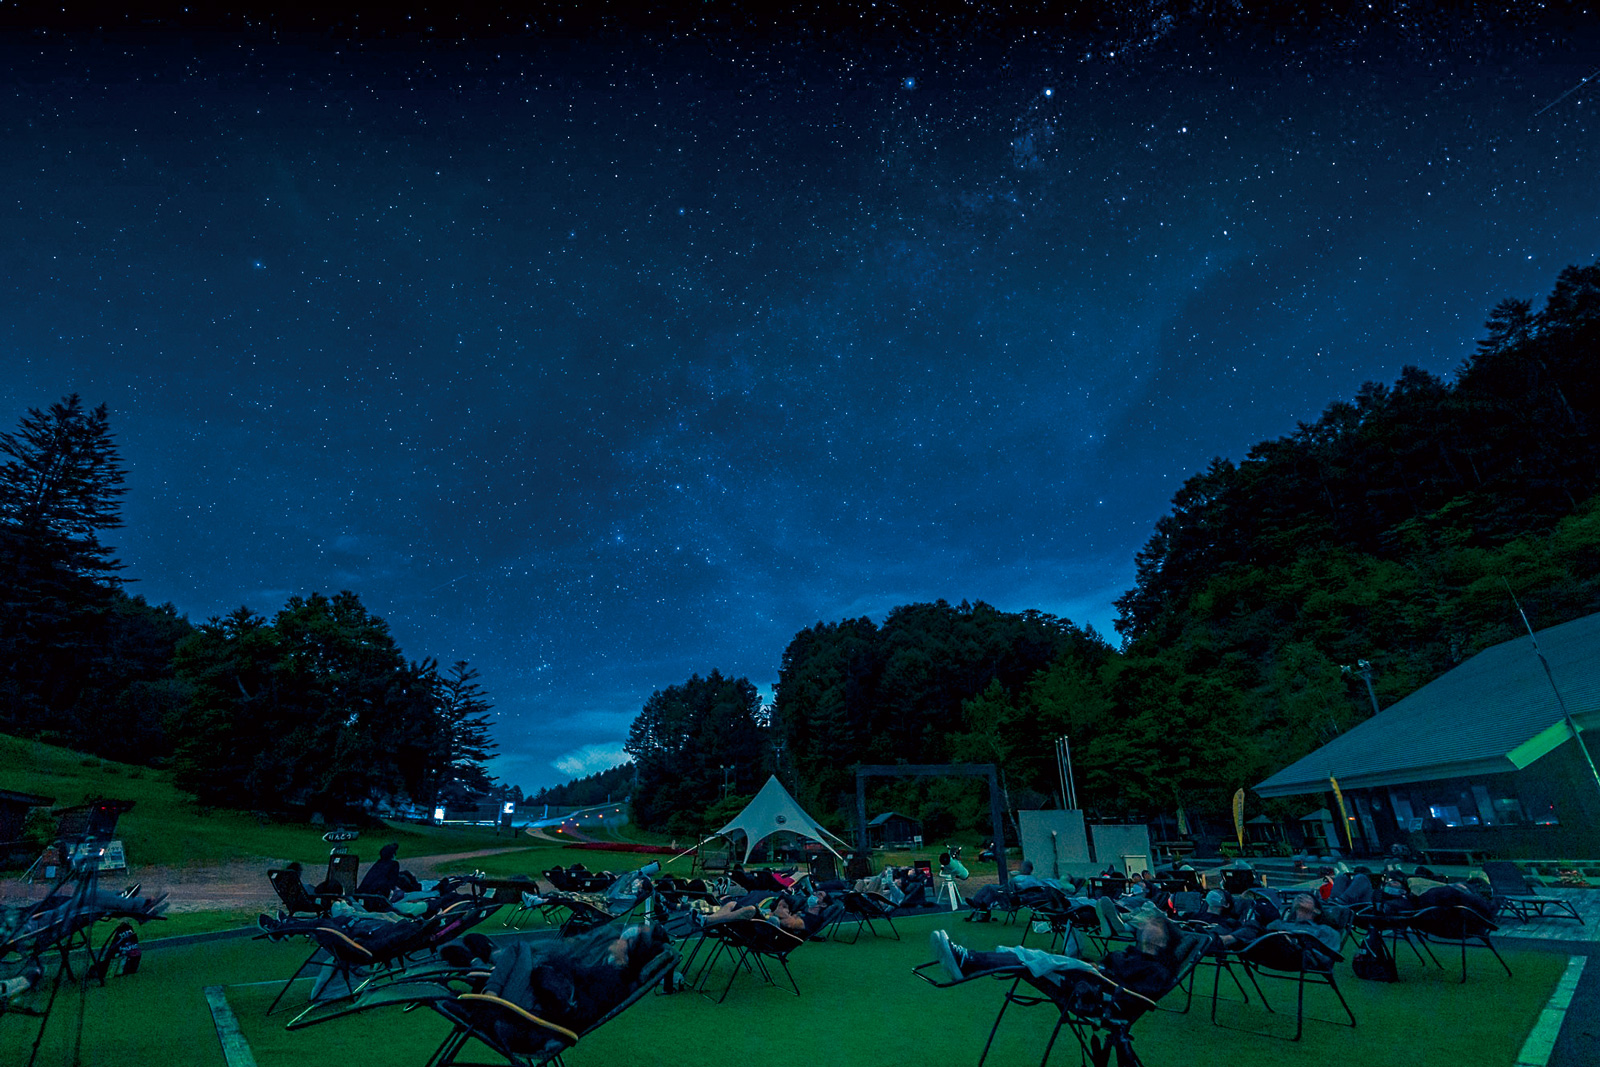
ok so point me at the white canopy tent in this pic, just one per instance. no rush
(774, 811)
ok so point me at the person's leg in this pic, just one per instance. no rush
(959, 961)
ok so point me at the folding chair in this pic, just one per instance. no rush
(1513, 895)
(1110, 927)
(1213, 954)
(349, 952)
(1395, 927)
(1050, 905)
(522, 1038)
(297, 900)
(300, 902)
(1455, 924)
(751, 943)
(509, 1031)
(1295, 957)
(865, 909)
(1099, 1012)
(344, 869)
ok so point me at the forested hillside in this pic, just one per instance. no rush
(1394, 530)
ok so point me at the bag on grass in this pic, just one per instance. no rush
(1374, 962)
(121, 951)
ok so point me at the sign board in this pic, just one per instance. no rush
(438, 815)
(112, 856)
(510, 808)
(333, 837)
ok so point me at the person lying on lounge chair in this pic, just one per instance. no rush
(623, 893)
(573, 982)
(1226, 920)
(781, 911)
(1305, 917)
(62, 914)
(1146, 967)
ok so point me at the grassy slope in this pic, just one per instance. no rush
(164, 827)
(859, 1005)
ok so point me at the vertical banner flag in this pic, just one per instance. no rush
(1238, 815)
(1344, 815)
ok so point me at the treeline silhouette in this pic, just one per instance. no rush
(315, 707)
(1394, 530)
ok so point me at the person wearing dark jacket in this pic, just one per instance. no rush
(383, 877)
(1147, 967)
(574, 982)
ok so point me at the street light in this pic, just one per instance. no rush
(1363, 670)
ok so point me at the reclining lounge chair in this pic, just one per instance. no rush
(1514, 896)
(1099, 1012)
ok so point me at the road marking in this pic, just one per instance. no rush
(234, 1048)
(1542, 1041)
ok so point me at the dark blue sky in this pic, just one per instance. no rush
(602, 360)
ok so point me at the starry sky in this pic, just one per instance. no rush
(600, 358)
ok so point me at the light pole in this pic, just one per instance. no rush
(726, 767)
(1363, 670)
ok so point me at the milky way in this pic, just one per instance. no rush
(605, 360)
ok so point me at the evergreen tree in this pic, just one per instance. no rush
(60, 484)
(463, 735)
(316, 709)
(683, 738)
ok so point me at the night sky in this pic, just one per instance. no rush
(603, 358)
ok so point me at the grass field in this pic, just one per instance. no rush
(165, 828)
(860, 1005)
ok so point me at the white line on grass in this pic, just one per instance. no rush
(234, 1048)
(1542, 1041)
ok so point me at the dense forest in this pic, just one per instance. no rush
(601, 787)
(1389, 536)
(316, 708)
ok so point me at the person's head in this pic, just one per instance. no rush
(1217, 901)
(788, 914)
(1307, 908)
(638, 943)
(1154, 936)
(387, 852)
(1026, 868)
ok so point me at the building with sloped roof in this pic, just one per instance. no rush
(1480, 758)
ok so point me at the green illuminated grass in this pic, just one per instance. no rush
(860, 1005)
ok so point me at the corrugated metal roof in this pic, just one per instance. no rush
(1470, 720)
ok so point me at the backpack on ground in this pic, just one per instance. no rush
(121, 951)
(1374, 962)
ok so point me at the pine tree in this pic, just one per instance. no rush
(464, 741)
(60, 480)
(59, 486)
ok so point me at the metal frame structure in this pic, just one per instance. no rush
(936, 770)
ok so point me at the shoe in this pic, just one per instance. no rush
(268, 924)
(949, 954)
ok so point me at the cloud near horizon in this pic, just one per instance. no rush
(589, 759)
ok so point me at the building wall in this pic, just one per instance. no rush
(1508, 815)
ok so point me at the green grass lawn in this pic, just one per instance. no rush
(164, 827)
(860, 1005)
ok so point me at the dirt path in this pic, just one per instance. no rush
(238, 885)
